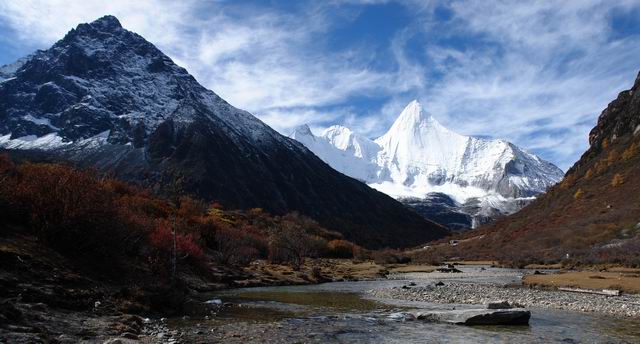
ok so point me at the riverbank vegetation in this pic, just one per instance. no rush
(106, 222)
(74, 241)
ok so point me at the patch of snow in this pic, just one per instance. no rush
(94, 141)
(40, 121)
(46, 142)
(458, 193)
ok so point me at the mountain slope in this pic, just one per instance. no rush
(593, 215)
(418, 158)
(105, 97)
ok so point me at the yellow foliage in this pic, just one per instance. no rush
(605, 143)
(589, 174)
(568, 181)
(578, 194)
(617, 180)
(221, 215)
(256, 211)
(630, 152)
(601, 167)
(612, 157)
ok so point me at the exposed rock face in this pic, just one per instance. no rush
(620, 118)
(442, 209)
(105, 97)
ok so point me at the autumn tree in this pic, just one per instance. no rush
(617, 180)
(290, 244)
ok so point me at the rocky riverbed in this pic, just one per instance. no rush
(345, 312)
(340, 313)
(460, 292)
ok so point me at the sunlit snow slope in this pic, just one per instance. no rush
(418, 156)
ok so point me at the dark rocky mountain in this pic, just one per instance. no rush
(440, 208)
(105, 97)
(593, 215)
(619, 120)
(473, 213)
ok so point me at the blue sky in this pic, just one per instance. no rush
(537, 73)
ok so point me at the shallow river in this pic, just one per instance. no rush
(342, 312)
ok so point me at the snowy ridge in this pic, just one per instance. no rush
(419, 156)
(342, 149)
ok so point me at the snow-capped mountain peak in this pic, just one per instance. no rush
(418, 156)
(416, 140)
(414, 119)
(302, 130)
(412, 116)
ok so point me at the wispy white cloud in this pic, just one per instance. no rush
(536, 73)
(539, 73)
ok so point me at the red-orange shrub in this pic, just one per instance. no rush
(161, 238)
(340, 249)
(69, 209)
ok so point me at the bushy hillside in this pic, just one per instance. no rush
(106, 223)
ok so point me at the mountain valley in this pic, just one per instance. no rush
(103, 97)
(139, 206)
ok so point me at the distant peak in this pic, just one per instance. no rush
(338, 128)
(302, 130)
(413, 115)
(414, 104)
(106, 23)
(413, 122)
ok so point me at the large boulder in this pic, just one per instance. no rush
(514, 316)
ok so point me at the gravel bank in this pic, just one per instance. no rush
(472, 293)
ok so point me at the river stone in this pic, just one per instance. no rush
(499, 305)
(514, 316)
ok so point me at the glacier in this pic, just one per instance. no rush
(418, 158)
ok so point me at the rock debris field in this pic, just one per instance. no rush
(441, 288)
